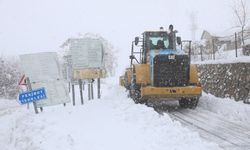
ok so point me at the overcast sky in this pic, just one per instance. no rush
(43, 25)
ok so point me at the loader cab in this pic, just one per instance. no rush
(153, 42)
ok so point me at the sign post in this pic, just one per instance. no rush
(98, 88)
(29, 89)
(92, 90)
(73, 94)
(80, 87)
(89, 90)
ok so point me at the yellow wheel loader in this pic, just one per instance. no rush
(161, 71)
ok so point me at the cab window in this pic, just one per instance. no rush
(157, 40)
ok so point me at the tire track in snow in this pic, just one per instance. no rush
(212, 127)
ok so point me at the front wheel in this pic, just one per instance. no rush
(183, 103)
(135, 91)
(189, 102)
(137, 96)
(193, 103)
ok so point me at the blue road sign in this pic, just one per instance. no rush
(31, 96)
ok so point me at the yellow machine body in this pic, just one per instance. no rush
(127, 78)
(142, 72)
(121, 81)
(170, 92)
(128, 75)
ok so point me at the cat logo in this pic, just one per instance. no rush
(171, 56)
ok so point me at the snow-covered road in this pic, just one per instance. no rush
(113, 122)
(215, 128)
(221, 121)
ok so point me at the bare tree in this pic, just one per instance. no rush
(240, 12)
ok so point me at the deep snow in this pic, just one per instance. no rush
(113, 122)
(230, 109)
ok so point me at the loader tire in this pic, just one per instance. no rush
(136, 96)
(183, 103)
(193, 103)
(189, 103)
(135, 91)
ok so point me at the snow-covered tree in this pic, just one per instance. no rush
(9, 76)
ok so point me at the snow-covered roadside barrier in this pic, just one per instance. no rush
(230, 109)
(113, 122)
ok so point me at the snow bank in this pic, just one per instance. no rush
(6, 103)
(230, 109)
(113, 122)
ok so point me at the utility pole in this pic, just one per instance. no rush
(236, 47)
(213, 49)
(193, 25)
(201, 52)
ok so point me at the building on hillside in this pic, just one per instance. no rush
(208, 41)
(212, 42)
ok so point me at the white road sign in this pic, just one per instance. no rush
(41, 66)
(43, 70)
(86, 53)
(57, 93)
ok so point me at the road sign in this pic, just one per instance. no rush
(89, 73)
(57, 92)
(43, 70)
(31, 96)
(42, 66)
(22, 81)
(86, 53)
